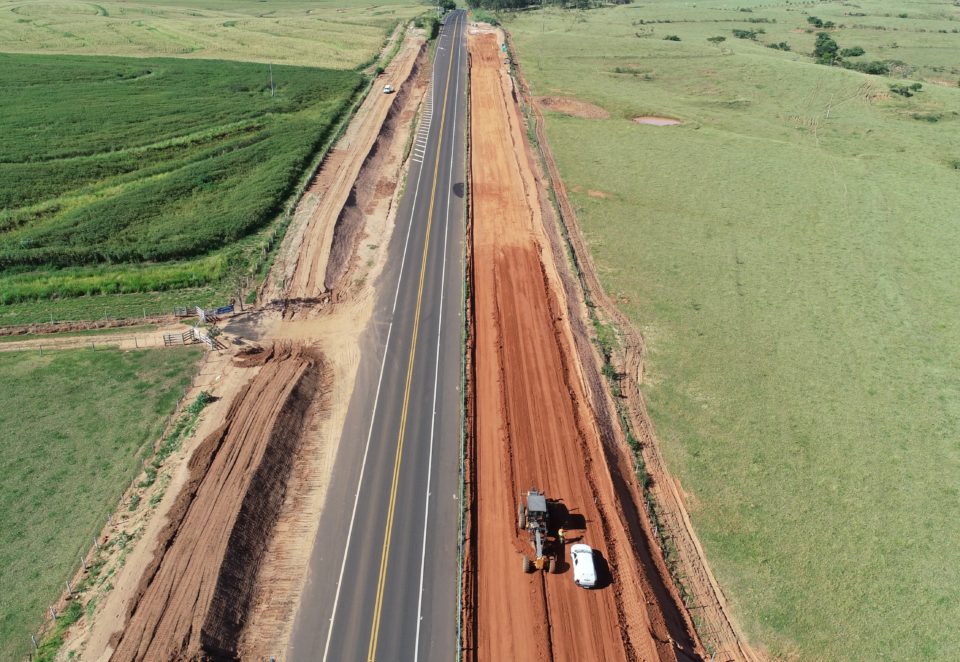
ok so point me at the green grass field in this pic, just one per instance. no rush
(789, 253)
(131, 175)
(341, 34)
(66, 462)
(128, 175)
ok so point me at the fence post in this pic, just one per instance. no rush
(69, 588)
(96, 543)
(34, 640)
(83, 561)
(53, 612)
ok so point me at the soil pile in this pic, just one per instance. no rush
(533, 427)
(194, 595)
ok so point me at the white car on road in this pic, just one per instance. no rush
(387, 89)
(584, 571)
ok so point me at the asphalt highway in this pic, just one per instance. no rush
(383, 578)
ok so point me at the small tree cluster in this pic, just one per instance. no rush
(819, 23)
(747, 34)
(905, 90)
(826, 48)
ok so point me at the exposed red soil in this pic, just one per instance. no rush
(193, 597)
(533, 426)
(574, 107)
(703, 593)
(370, 186)
(320, 253)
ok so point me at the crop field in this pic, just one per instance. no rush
(123, 175)
(342, 34)
(789, 252)
(65, 462)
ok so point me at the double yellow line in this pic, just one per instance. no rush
(378, 605)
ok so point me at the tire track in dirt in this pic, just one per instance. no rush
(534, 427)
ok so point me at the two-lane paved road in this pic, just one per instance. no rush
(383, 573)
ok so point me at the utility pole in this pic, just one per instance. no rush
(272, 88)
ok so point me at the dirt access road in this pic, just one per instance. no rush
(533, 427)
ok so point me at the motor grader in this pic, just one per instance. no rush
(533, 521)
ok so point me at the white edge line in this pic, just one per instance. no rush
(433, 418)
(373, 416)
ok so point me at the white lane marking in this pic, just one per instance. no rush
(436, 372)
(373, 416)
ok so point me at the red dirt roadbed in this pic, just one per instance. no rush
(533, 427)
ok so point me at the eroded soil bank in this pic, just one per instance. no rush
(194, 595)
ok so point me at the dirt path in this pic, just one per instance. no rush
(716, 624)
(533, 425)
(109, 338)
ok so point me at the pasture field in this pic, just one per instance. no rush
(789, 252)
(65, 463)
(343, 34)
(123, 175)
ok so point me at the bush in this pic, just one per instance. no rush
(781, 46)
(746, 34)
(447, 5)
(671, 37)
(856, 51)
(430, 24)
(905, 90)
(716, 40)
(825, 50)
(875, 68)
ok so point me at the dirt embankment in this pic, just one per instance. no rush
(534, 426)
(374, 184)
(304, 262)
(194, 595)
(716, 625)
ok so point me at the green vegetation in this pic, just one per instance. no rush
(342, 34)
(789, 254)
(66, 462)
(105, 162)
(123, 176)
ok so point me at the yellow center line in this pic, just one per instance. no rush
(378, 604)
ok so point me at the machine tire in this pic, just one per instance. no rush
(521, 517)
(552, 567)
(527, 566)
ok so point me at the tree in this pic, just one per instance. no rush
(856, 51)
(447, 5)
(825, 50)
